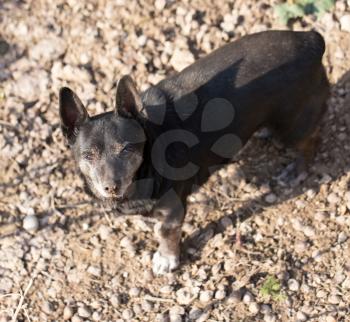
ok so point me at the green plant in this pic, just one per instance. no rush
(299, 8)
(272, 288)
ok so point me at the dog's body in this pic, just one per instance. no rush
(157, 147)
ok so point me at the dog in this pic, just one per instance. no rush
(157, 147)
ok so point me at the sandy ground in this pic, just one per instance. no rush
(86, 264)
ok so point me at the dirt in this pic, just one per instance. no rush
(77, 261)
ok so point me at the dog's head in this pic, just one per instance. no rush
(108, 148)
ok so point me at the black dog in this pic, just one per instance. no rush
(155, 148)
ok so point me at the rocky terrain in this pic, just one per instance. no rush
(254, 250)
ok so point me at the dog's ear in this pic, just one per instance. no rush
(128, 100)
(72, 113)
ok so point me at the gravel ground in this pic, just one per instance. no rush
(63, 258)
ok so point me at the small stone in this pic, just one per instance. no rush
(342, 237)
(265, 309)
(142, 40)
(293, 285)
(161, 317)
(137, 308)
(235, 297)
(333, 198)
(104, 232)
(345, 23)
(330, 318)
(319, 216)
(147, 306)
(183, 296)
(195, 313)
(300, 246)
(127, 314)
(271, 198)
(96, 316)
(76, 318)
(160, 4)
(47, 307)
(134, 291)
(269, 317)
(309, 231)
(181, 58)
(248, 298)
(301, 317)
(31, 223)
(94, 270)
(177, 310)
(339, 277)
(220, 294)
(115, 300)
(167, 289)
(206, 296)
(254, 308)
(334, 299)
(175, 318)
(226, 222)
(67, 313)
(84, 311)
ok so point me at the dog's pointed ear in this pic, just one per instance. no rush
(128, 99)
(72, 113)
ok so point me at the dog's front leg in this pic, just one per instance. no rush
(172, 211)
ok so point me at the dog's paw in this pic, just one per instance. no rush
(164, 264)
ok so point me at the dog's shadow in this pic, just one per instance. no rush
(330, 164)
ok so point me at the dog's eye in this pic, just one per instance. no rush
(89, 155)
(126, 148)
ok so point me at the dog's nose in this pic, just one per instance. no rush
(113, 188)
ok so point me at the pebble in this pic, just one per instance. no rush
(115, 300)
(184, 296)
(76, 318)
(330, 318)
(162, 317)
(137, 308)
(205, 296)
(180, 59)
(175, 318)
(293, 285)
(248, 298)
(84, 311)
(309, 231)
(345, 22)
(177, 310)
(342, 237)
(31, 223)
(265, 309)
(271, 198)
(334, 299)
(94, 270)
(134, 291)
(269, 317)
(127, 314)
(300, 246)
(147, 306)
(67, 313)
(235, 297)
(195, 313)
(167, 289)
(96, 316)
(47, 307)
(220, 294)
(104, 232)
(333, 198)
(301, 317)
(254, 307)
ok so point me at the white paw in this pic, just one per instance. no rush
(164, 264)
